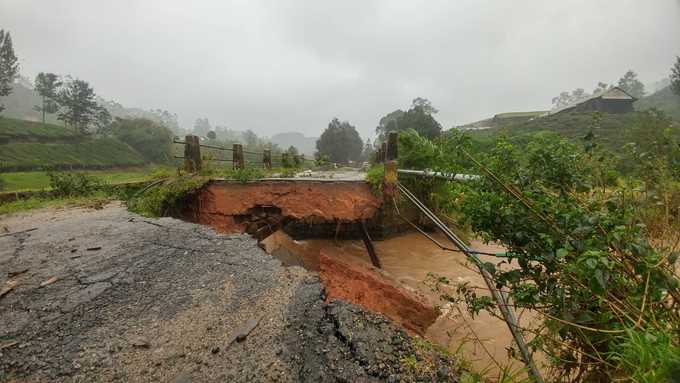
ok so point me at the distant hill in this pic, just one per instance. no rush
(305, 145)
(20, 105)
(664, 100)
(27, 145)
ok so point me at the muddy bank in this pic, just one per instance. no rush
(407, 259)
(165, 300)
(231, 207)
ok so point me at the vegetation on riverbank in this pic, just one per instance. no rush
(593, 243)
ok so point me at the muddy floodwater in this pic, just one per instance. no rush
(409, 258)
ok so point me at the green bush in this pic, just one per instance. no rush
(166, 197)
(65, 184)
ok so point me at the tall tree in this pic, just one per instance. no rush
(47, 85)
(340, 142)
(386, 123)
(630, 83)
(102, 121)
(9, 65)
(367, 154)
(675, 77)
(79, 106)
(418, 117)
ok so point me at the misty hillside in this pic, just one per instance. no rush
(21, 102)
(27, 145)
(305, 145)
(663, 100)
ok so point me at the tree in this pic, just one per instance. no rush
(47, 85)
(9, 65)
(601, 88)
(385, 123)
(212, 135)
(424, 104)
(151, 139)
(340, 142)
(630, 83)
(202, 127)
(418, 117)
(367, 154)
(102, 121)
(675, 77)
(79, 106)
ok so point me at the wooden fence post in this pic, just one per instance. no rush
(383, 152)
(237, 151)
(192, 154)
(267, 159)
(390, 153)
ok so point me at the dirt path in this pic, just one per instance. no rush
(163, 300)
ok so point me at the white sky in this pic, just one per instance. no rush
(292, 65)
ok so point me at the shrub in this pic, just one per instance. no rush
(65, 184)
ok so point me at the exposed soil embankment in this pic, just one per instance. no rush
(265, 205)
(353, 281)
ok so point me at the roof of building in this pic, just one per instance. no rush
(613, 93)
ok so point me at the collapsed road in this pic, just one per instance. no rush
(107, 295)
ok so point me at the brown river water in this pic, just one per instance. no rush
(408, 258)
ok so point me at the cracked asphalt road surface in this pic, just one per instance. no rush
(170, 301)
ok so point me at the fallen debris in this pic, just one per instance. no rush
(10, 285)
(49, 281)
(243, 331)
(8, 345)
(139, 342)
(18, 232)
(14, 273)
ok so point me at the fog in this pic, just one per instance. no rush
(275, 66)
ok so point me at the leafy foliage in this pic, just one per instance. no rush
(149, 138)
(166, 198)
(9, 65)
(70, 184)
(579, 253)
(419, 118)
(80, 108)
(47, 86)
(630, 83)
(675, 77)
(340, 142)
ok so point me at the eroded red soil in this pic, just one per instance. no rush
(223, 205)
(347, 279)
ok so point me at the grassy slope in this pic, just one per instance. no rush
(28, 145)
(25, 181)
(615, 130)
(664, 100)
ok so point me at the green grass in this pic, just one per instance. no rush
(38, 180)
(102, 152)
(21, 130)
(42, 202)
(614, 131)
(27, 145)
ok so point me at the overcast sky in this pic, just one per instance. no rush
(292, 65)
